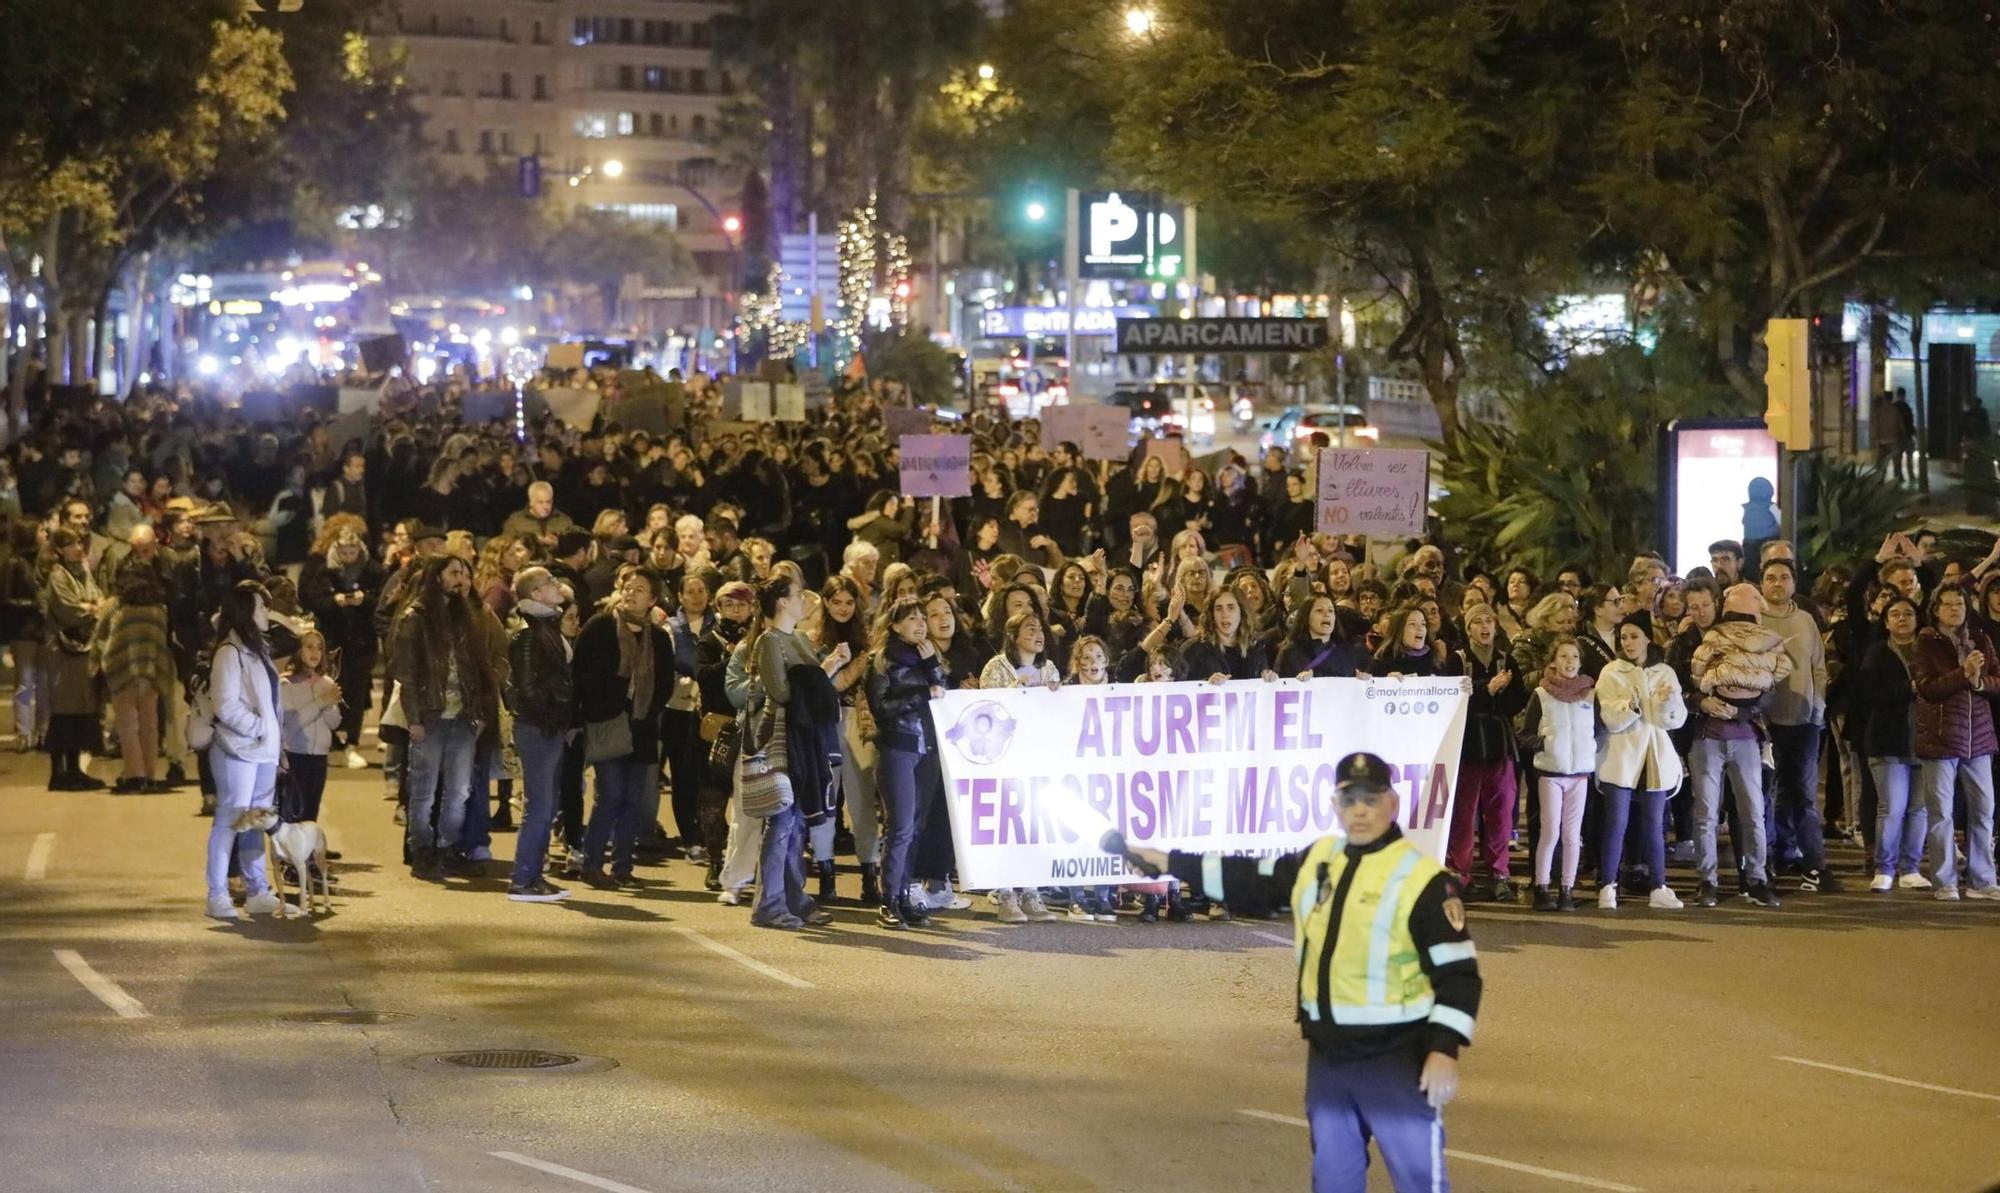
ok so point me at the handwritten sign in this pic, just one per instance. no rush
(1171, 452)
(576, 407)
(1383, 492)
(1103, 432)
(788, 403)
(936, 465)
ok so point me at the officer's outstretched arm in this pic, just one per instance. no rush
(1244, 884)
(1444, 949)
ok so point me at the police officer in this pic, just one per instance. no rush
(1388, 985)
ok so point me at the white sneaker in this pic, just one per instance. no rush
(354, 759)
(944, 899)
(1914, 882)
(730, 897)
(1010, 908)
(1607, 897)
(221, 907)
(1036, 910)
(1664, 899)
(1881, 883)
(264, 904)
(1987, 893)
(1945, 894)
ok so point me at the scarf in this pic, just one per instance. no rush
(635, 661)
(1569, 691)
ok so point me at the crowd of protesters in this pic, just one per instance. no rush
(736, 632)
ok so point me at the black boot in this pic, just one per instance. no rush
(913, 915)
(429, 863)
(58, 776)
(826, 892)
(78, 781)
(871, 883)
(714, 880)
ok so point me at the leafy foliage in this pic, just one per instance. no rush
(928, 371)
(1856, 507)
(1573, 475)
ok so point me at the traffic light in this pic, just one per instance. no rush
(1788, 383)
(1036, 211)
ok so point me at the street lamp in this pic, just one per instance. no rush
(986, 71)
(1037, 211)
(1138, 21)
(614, 168)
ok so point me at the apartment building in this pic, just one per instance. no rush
(617, 99)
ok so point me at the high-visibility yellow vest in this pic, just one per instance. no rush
(1373, 975)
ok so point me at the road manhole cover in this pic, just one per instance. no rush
(348, 1018)
(516, 1060)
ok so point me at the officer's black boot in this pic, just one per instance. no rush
(871, 883)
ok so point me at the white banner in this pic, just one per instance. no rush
(1034, 777)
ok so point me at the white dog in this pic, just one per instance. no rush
(301, 845)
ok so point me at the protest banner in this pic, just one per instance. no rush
(359, 397)
(713, 429)
(747, 401)
(486, 406)
(379, 354)
(1172, 453)
(788, 403)
(1033, 778)
(576, 407)
(643, 411)
(936, 465)
(1103, 432)
(564, 356)
(898, 421)
(1381, 492)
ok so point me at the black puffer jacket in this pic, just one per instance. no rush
(540, 691)
(899, 687)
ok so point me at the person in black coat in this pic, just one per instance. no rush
(903, 676)
(1317, 645)
(1223, 647)
(624, 671)
(340, 587)
(1884, 701)
(541, 693)
(1484, 811)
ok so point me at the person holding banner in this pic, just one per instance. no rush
(1020, 664)
(1386, 996)
(1223, 647)
(903, 674)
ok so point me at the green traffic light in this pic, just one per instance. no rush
(1037, 211)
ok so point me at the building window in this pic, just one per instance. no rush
(698, 82)
(655, 125)
(504, 34)
(582, 35)
(431, 26)
(592, 126)
(698, 124)
(728, 85)
(541, 86)
(656, 78)
(700, 35)
(537, 151)
(539, 40)
(628, 78)
(625, 34)
(485, 140)
(450, 85)
(451, 140)
(698, 171)
(625, 120)
(506, 142)
(506, 85)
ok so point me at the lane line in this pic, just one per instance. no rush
(581, 1178)
(1936, 1089)
(723, 950)
(38, 857)
(1553, 1174)
(1273, 937)
(107, 991)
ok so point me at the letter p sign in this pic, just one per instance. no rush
(1112, 221)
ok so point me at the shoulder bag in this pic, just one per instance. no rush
(763, 790)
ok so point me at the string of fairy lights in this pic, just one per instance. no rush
(873, 288)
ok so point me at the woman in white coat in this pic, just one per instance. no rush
(1563, 717)
(246, 747)
(1639, 700)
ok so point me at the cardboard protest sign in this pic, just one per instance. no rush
(576, 407)
(936, 465)
(1381, 492)
(1034, 778)
(359, 397)
(382, 353)
(485, 406)
(1171, 452)
(899, 421)
(788, 403)
(1102, 431)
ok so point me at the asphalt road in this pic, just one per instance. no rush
(1845, 1042)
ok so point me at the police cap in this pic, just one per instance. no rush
(1362, 771)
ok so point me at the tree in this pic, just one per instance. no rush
(602, 248)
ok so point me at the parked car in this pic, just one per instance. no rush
(1297, 422)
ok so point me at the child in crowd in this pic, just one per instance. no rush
(311, 701)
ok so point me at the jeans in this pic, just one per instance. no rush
(896, 781)
(1376, 1098)
(781, 869)
(445, 752)
(476, 831)
(1652, 831)
(1706, 762)
(1794, 799)
(309, 772)
(31, 691)
(541, 761)
(1941, 777)
(1562, 798)
(1899, 820)
(864, 807)
(614, 815)
(238, 785)
(1483, 815)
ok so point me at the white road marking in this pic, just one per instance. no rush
(581, 1178)
(1936, 1089)
(723, 950)
(1553, 1174)
(107, 991)
(1273, 937)
(38, 857)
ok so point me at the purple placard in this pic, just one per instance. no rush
(936, 465)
